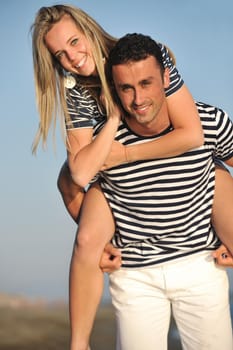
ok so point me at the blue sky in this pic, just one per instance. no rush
(36, 232)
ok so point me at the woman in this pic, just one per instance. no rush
(69, 52)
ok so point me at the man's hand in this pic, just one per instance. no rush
(223, 257)
(111, 259)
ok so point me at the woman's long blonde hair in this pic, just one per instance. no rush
(49, 74)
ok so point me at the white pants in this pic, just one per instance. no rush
(194, 288)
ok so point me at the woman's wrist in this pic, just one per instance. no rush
(126, 154)
(114, 121)
(131, 153)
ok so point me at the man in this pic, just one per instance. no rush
(162, 210)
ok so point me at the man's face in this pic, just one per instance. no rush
(140, 87)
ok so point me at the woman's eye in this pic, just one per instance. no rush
(59, 55)
(74, 42)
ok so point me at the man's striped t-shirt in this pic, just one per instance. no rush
(162, 207)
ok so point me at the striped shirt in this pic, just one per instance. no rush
(83, 109)
(162, 207)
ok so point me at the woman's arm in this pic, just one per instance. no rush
(86, 155)
(187, 134)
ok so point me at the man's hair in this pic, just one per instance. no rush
(132, 48)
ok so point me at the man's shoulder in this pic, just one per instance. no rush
(206, 108)
(210, 112)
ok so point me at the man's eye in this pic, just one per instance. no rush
(125, 88)
(145, 83)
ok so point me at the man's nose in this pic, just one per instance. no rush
(138, 96)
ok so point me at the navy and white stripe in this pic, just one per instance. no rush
(82, 108)
(162, 207)
(175, 79)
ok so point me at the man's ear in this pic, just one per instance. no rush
(166, 78)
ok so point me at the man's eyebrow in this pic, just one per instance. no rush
(150, 77)
(123, 85)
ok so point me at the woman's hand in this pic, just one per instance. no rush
(116, 112)
(223, 257)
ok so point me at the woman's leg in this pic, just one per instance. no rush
(96, 227)
(222, 214)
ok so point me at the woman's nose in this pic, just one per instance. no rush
(71, 54)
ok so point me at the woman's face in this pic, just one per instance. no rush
(71, 48)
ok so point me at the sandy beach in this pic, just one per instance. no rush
(27, 324)
(38, 326)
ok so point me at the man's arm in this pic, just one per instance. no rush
(222, 211)
(229, 162)
(72, 194)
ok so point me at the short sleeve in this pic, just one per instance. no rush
(82, 108)
(224, 144)
(175, 79)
